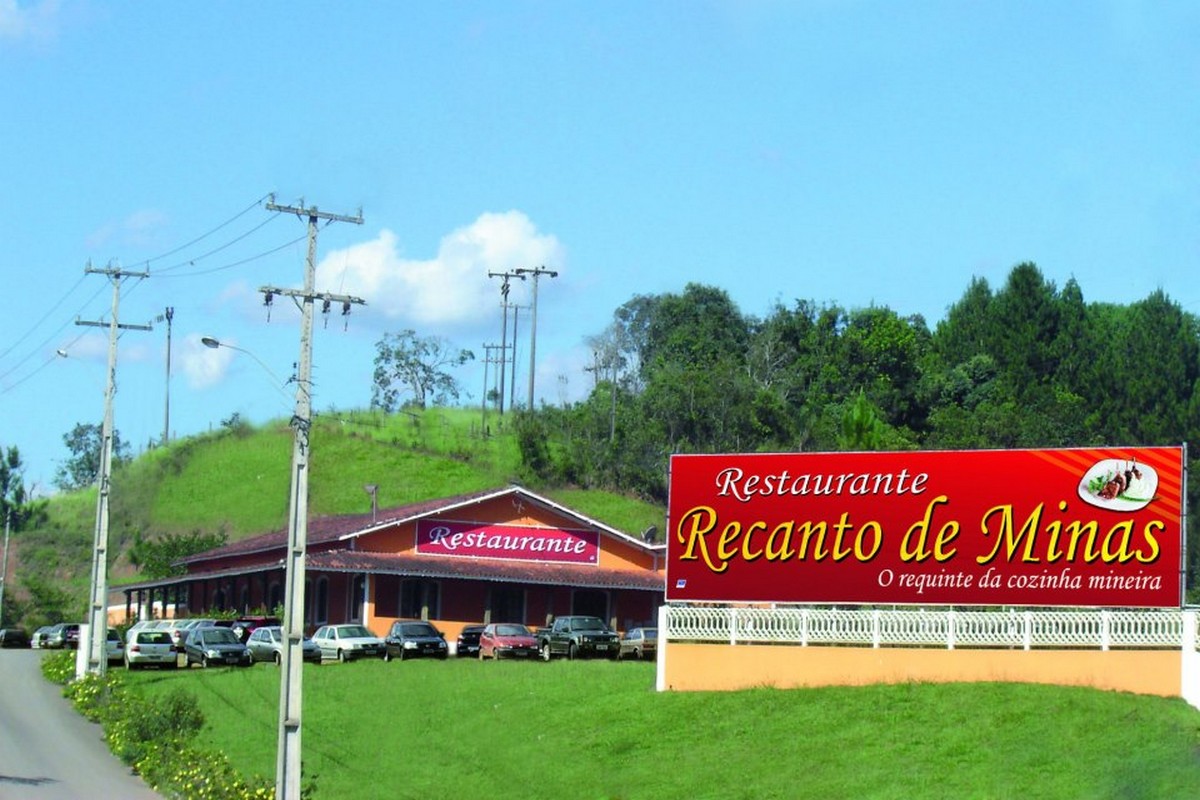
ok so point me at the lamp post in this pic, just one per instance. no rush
(213, 343)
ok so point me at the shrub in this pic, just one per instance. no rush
(59, 667)
(153, 735)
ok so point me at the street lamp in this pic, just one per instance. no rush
(213, 343)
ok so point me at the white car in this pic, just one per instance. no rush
(348, 642)
(114, 648)
(149, 646)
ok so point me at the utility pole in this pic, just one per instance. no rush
(504, 330)
(287, 766)
(512, 380)
(536, 272)
(169, 315)
(4, 570)
(97, 658)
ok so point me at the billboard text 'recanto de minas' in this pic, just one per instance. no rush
(1055, 527)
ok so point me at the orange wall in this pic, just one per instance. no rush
(697, 667)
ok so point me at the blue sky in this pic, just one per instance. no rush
(854, 153)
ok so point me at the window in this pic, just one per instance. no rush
(358, 596)
(276, 596)
(387, 596)
(419, 599)
(508, 604)
(590, 602)
(322, 608)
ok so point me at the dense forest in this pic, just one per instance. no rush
(1023, 365)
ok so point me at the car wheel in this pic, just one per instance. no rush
(387, 654)
(545, 651)
(203, 662)
(341, 656)
(572, 652)
(481, 654)
(279, 659)
(400, 654)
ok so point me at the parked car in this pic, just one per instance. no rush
(507, 640)
(147, 647)
(114, 648)
(215, 646)
(266, 644)
(39, 636)
(14, 637)
(414, 639)
(578, 637)
(244, 626)
(64, 634)
(639, 643)
(180, 629)
(348, 642)
(468, 641)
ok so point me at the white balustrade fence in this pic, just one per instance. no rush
(1102, 629)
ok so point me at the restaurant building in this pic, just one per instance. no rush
(507, 555)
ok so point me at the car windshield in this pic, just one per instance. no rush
(417, 629)
(220, 636)
(511, 630)
(351, 631)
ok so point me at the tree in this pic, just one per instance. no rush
(156, 557)
(83, 467)
(12, 488)
(415, 367)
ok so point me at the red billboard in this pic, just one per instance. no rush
(513, 542)
(1066, 527)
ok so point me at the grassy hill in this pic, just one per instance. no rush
(237, 480)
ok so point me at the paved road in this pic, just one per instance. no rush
(48, 751)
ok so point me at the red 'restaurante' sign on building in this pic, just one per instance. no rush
(509, 542)
(1067, 527)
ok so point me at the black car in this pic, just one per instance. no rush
(414, 639)
(468, 641)
(14, 637)
(215, 646)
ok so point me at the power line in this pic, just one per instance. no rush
(204, 236)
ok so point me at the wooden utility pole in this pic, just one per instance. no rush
(97, 658)
(287, 766)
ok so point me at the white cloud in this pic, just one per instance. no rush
(20, 20)
(452, 289)
(203, 366)
(139, 229)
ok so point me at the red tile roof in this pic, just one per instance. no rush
(485, 569)
(482, 569)
(322, 530)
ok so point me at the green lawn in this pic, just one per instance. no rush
(597, 729)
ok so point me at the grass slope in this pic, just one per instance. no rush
(597, 729)
(238, 480)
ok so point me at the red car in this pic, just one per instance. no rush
(507, 640)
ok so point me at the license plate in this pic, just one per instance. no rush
(601, 647)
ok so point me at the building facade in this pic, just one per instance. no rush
(507, 555)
